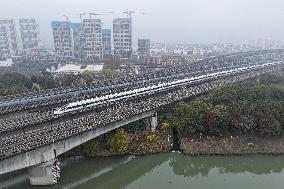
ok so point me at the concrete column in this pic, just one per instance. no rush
(41, 174)
(147, 123)
(151, 122)
(154, 122)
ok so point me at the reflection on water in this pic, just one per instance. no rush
(170, 170)
(201, 165)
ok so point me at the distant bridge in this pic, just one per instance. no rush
(34, 130)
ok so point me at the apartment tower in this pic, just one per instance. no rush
(30, 34)
(67, 38)
(122, 37)
(92, 40)
(8, 38)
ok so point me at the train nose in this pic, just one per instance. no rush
(56, 112)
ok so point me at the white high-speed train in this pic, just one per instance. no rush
(111, 98)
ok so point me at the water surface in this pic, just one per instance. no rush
(164, 171)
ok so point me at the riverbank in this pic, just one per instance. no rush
(139, 143)
(232, 145)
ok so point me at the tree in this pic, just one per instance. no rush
(119, 142)
(166, 124)
(14, 83)
(218, 125)
(191, 117)
(45, 81)
(88, 77)
(91, 148)
(269, 126)
(108, 73)
(250, 108)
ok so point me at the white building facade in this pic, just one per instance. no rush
(66, 40)
(122, 37)
(8, 38)
(92, 40)
(30, 34)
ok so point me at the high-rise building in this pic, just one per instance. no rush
(5, 43)
(8, 38)
(67, 40)
(77, 31)
(143, 47)
(122, 37)
(106, 41)
(30, 34)
(92, 40)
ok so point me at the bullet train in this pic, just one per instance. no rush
(154, 89)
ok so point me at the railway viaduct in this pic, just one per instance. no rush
(36, 144)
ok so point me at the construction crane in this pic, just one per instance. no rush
(142, 12)
(67, 18)
(94, 14)
(128, 13)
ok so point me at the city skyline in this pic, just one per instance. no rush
(89, 41)
(195, 22)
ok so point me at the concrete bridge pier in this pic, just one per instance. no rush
(154, 122)
(151, 122)
(44, 174)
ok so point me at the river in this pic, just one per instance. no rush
(163, 171)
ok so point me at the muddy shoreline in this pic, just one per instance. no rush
(138, 145)
(233, 145)
(203, 145)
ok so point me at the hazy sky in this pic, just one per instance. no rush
(170, 21)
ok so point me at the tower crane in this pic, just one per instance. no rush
(142, 12)
(67, 19)
(128, 13)
(94, 14)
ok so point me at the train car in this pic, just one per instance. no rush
(150, 90)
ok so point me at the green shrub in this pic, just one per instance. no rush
(91, 148)
(152, 138)
(166, 124)
(119, 142)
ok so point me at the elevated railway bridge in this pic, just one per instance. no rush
(36, 128)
